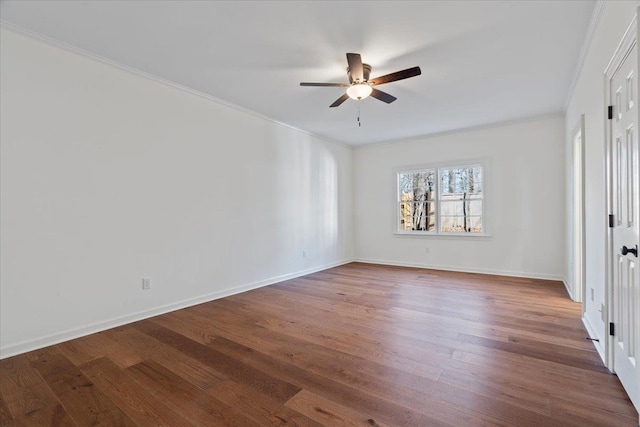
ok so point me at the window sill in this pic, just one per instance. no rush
(451, 236)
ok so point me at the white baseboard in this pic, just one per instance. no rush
(569, 289)
(527, 275)
(56, 338)
(599, 345)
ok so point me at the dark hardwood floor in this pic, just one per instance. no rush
(359, 344)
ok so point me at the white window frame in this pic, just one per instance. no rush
(438, 167)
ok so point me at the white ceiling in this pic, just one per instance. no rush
(482, 62)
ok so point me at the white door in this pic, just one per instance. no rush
(623, 146)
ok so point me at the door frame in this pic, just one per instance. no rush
(629, 40)
(578, 213)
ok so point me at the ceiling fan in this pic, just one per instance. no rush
(360, 86)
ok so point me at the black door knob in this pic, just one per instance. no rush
(625, 250)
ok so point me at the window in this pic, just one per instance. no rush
(442, 200)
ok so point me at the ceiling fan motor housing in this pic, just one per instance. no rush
(360, 87)
(366, 71)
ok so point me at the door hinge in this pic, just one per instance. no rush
(610, 220)
(612, 329)
(610, 112)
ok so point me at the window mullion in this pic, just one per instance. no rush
(438, 182)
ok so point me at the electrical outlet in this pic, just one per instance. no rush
(146, 283)
(304, 254)
(427, 250)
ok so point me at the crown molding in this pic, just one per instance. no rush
(494, 125)
(85, 53)
(593, 24)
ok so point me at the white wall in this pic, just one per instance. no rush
(588, 99)
(525, 195)
(107, 176)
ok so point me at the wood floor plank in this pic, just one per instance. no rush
(328, 412)
(5, 416)
(358, 344)
(274, 335)
(271, 386)
(581, 359)
(564, 409)
(96, 346)
(374, 407)
(505, 391)
(23, 389)
(79, 351)
(543, 376)
(139, 405)
(181, 364)
(190, 402)
(121, 354)
(54, 415)
(83, 401)
(258, 407)
(412, 390)
(340, 369)
(406, 353)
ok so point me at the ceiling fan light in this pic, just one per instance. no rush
(359, 91)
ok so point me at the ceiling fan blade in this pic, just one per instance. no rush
(325, 84)
(355, 66)
(383, 96)
(340, 100)
(398, 75)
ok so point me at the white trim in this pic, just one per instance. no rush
(593, 24)
(433, 234)
(578, 251)
(527, 275)
(484, 163)
(629, 39)
(68, 47)
(623, 49)
(79, 51)
(568, 288)
(58, 337)
(457, 131)
(592, 334)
